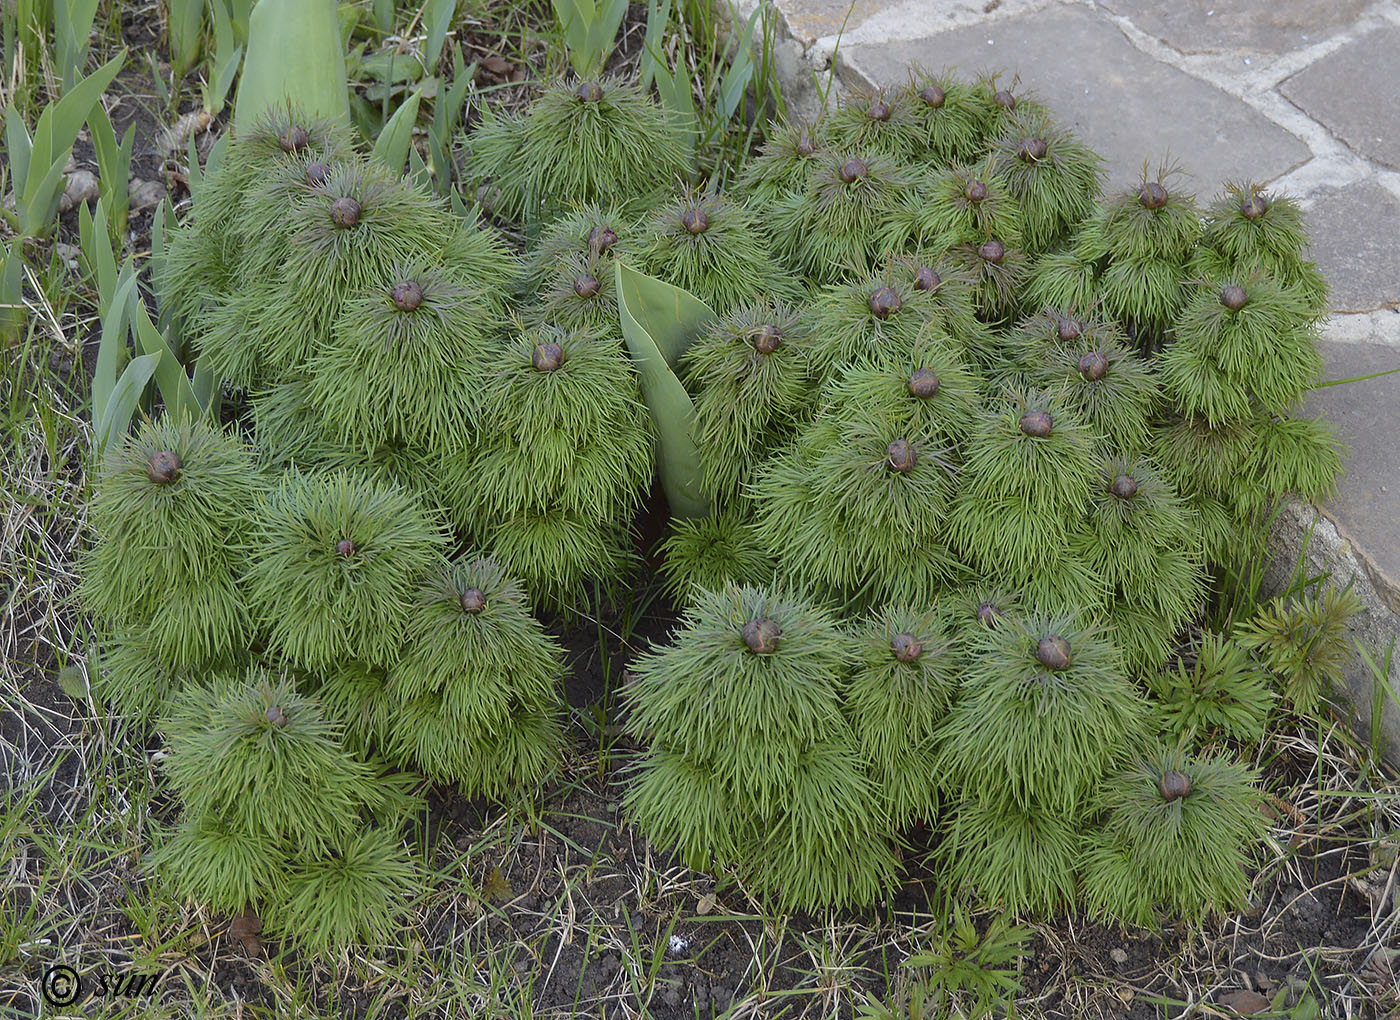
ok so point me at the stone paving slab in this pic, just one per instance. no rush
(1355, 232)
(1208, 26)
(1126, 104)
(1367, 504)
(1352, 93)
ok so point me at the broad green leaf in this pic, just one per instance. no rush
(437, 17)
(658, 17)
(294, 55)
(17, 144)
(679, 101)
(12, 310)
(113, 342)
(113, 166)
(97, 250)
(73, 681)
(171, 378)
(659, 322)
(72, 28)
(183, 27)
(228, 53)
(418, 171)
(736, 79)
(126, 395)
(205, 387)
(391, 147)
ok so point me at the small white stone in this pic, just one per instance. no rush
(678, 945)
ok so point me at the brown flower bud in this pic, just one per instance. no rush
(1124, 487)
(901, 456)
(345, 212)
(345, 548)
(761, 635)
(1093, 366)
(852, 170)
(547, 357)
(600, 239)
(976, 191)
(1004, 99)
(1233, 297)
(276, 716)
(1032, 149)
(1069, 329)
(805, 146)
(317, 173)
(589, 92)
(924, 384)
(933, 95)
(407, 295)
(1052, 652)
(1037, 423)
(164, 467)
(878, 110)
(1152, 195)
(767, 338)
(906, 647)
(884, 302)
(586, 286)
(927, 278)
(993, 252)
(473, 600)
(294, 138)
(1254, 206)
(695, 220)
(1174, 785)
(987, 613)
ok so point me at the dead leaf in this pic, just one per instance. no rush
(73, 681)
(245, 929)
(497, 889)
(1242, 1000)
(706, 904)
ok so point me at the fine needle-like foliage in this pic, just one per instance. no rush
(709, 552)
(1178, 831)
(1246, 342)
(1051, 174)
(402, 362)
(882, 313)
(715, 247)
(750, 758)
(1305, 643)
(901, 688)
(1024, 486)
(1219, 690)
(1112, 391)
(205, 260)
(483, 682)
(839, 224)
(1021, 858)
(1248, 228)
(752, 375)
(169, 513)
(1141, 539)
(566, 450)
(945, 120)
(354, 895)
(856, 508)
(592, 141)
(879, 121)
(1045, 710)
(263, 777)
(336, 557)
(965, 205)
(791, 153)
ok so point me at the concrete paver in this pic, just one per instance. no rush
(1352, 93)
(1207, 26)
(1354, 233)
(1124, 103)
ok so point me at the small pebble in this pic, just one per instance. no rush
(145, 194)
(1119, 955)
(81, 186)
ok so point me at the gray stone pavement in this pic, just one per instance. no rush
(1301, 94)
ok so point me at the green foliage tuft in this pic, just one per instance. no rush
(708, 552)
(1221, 690)
(336, 557)
(1305, 643)
(1185, 854)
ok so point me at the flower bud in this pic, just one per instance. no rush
(901, 456)
(473, 600)
(164, 467)
(761, 635)
(1052, 651)
(924, 384)
(407, 295)
(906, 647)
(547, 357)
